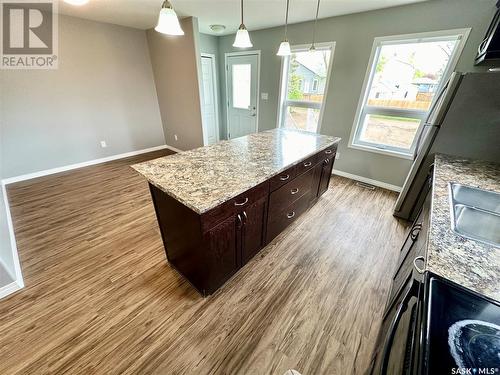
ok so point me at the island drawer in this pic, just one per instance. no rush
(283, 178)
(306, 164)
(291, 191)
(327, 153)
(279, 220)
(214, 216)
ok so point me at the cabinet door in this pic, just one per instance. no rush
(326, 173)
(221, 256)
(252, 239)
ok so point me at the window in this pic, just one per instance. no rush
(301, 95)
(242, 75)
(315, 85)
(404, 76)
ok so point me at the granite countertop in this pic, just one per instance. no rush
(205, 177)
(473, 264)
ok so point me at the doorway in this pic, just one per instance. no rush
(242, 90)
(209, 102)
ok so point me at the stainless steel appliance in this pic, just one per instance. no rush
(464, 121)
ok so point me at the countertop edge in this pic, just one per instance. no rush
(201, 212)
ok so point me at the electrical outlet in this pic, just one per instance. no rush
(337, 155)
(103, 144)
(264, 95)
(175, 137)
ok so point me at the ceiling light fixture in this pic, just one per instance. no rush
(313, 47)
(76, 2)
(284, 49)
(168, 22)
(242, 39)
(217, 28)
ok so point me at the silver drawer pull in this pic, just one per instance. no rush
(307, 164)
(327, 161)
(294, 191)
(417, 268)
(242, 203)
(284, 178)
(290, 214)
(328, 152)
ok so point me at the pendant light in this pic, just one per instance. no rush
(313, 47)
(168, 23)
(284, 49)
(242, 39)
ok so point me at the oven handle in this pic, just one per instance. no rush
(392, 330)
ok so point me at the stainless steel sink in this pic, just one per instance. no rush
(475, 213)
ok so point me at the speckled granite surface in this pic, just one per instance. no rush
(472, 264)
(207, 176)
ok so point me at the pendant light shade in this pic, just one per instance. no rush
(242, 39)
(168, 22)
(285, 49)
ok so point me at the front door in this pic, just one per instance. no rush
(209, 101)
(242, 82)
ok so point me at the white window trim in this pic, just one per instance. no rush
(462, 35)
(284, 81)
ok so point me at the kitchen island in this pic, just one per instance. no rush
(217, 206)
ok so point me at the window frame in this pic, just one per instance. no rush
(283, 87)
(363, 109)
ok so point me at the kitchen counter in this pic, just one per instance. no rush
(472, 264)
(205, 177)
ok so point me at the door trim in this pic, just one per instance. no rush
(257, 103)
(216, 95)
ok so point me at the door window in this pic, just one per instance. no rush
(242, 77)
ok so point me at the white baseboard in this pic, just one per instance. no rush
(65, 168)
(16, 273)
(380, 184)
(9, 289)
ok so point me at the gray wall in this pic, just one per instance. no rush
(354, 36)
(103, 90)
(209, 44)
(176, 64)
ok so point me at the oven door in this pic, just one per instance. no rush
(399, 336)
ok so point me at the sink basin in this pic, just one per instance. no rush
(475, 213)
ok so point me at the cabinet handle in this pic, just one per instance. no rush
(417, 268)
(240, 221)
(245, 216)
(284, 178)
(307, 164)
(294, 191)
(290, 214)
(327, 161)
(242, 203)
(328, 152)
(415, 231)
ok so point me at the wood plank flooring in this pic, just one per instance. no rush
(101, 299)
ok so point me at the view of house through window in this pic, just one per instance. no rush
(405, 77)
(305, 73)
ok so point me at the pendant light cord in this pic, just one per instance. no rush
(242, 12)
(286, 17)
(315, 22)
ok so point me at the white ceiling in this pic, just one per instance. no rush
(259, 14)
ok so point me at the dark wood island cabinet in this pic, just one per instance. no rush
(210, 237)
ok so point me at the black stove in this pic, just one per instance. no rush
(463, 331)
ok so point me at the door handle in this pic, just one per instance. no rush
(415, 231)
(240, 221)
(245, 216)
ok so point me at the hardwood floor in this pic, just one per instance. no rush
(101, 299)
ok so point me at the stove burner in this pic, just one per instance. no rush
(475, 344)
